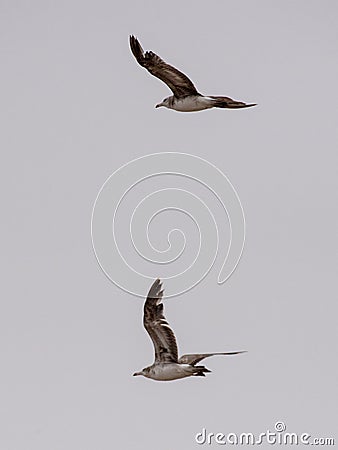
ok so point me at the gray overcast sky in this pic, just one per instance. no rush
(75, 106)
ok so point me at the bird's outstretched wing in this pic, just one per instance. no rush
(197, 357)
(176, 80)
(157, 327)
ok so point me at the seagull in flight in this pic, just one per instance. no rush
(186, 98)
(167, 366)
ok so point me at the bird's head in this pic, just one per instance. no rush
(144, 372)
(164, 103)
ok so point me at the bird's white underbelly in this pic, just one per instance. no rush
(167, 372)
(196, 103)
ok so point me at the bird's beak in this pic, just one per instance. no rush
(158, 105)
(136, 373)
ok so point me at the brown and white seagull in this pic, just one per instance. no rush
(186, 98)
(167, 366)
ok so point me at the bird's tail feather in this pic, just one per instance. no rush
(200, 371)
(226, 102)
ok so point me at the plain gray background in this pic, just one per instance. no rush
(75, 106)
